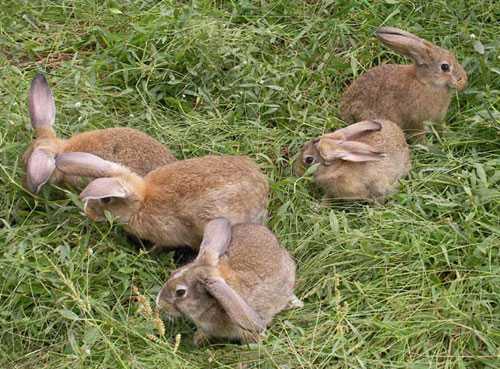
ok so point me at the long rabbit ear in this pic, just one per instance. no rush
(105, 187)
(406, 43)
(41, 104)
(88, 165)
(39, 168)
(330, 150)
(233, 304)
(216, 239)
(355, 130)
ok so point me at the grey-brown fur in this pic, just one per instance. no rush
(255, 267)
(370, 180)
(405, 94)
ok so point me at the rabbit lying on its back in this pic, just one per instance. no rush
(405, 94)
(127, 146)
(240, 280)
(361, 161)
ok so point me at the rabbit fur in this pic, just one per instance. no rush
(239, 281)
(408, 95)
(130, 147)
(171, 204)
(363, 161)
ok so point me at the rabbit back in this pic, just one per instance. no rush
(369, 180)
(127, 146)
(259, 269)
(393, 92)
(183, 196)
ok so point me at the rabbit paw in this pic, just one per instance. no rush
(200, 339)
(294, 303)
(251, 337)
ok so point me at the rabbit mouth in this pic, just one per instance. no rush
(459, 84)
(167, 310)
(91, 213)
(166, 315)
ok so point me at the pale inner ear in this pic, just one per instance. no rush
(41, 103)
(355, 130)
(40, 166)
(354, 151)
(384, 32)
(105, 187)
(89, 165)
(216, 239)
(405, 43)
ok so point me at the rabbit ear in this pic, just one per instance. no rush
(406, 43)
(105, 187)
(39, 168)
(41, 104)
(355, 130)
(216, 239)
(88, 165)
(233, 304)
(348, 150)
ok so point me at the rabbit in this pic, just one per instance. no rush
(171, 204)
(239, 281)
(363, 161)
(406, 94)
(127, 146)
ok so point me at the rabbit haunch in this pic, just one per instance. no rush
(240, 280)
(130, 147)
(171, 205)
(405, 94)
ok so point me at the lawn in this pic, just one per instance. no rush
(414, 283)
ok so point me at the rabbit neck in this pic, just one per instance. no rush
(429, 80)
(51, 144)
(343, 180)
(162, 226)
(429, 102)
(45, 132)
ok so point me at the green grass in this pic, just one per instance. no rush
(411, 284)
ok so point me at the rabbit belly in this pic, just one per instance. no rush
(164, 231)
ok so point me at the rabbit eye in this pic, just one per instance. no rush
(445, 67)
(309, 160)
(180, 292)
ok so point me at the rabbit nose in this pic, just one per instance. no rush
(162, 299)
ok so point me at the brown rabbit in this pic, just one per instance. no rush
(406, 94)
(239, 281)
(171, 205)
(362, 161)
(127, 146)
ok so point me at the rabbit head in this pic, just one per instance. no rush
(116, 189)
(340, 145)
(39, 158)
(307, 157)
(434, 64)
(200, 292)
(185, 290)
